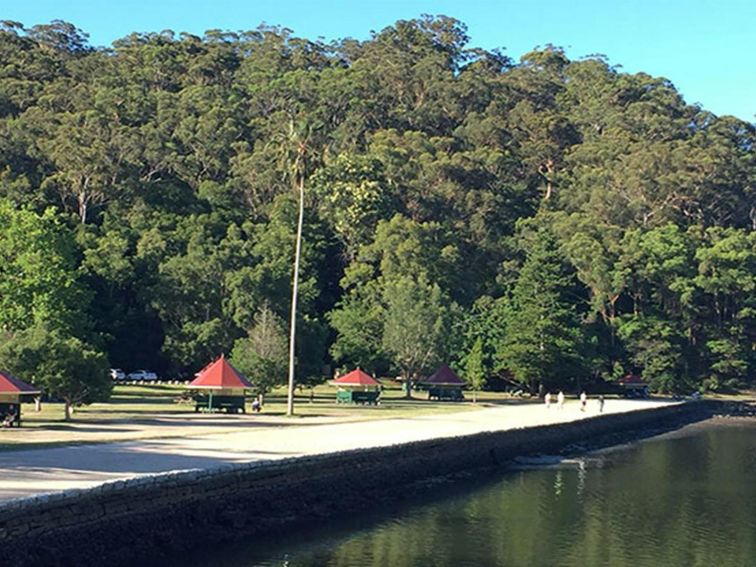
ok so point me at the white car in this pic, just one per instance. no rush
(142, 375)
(117, 374)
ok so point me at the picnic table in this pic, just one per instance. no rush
(227, 403)
(369, 397)
(446, 394)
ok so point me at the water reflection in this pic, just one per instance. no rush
(682, 500)
(582, 472)
(558, 483)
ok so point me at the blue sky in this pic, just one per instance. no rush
(705, 47)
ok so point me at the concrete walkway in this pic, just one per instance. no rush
(35, 471)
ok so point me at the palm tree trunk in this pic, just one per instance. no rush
(294, 294)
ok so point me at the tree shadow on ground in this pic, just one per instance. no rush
(123, 459)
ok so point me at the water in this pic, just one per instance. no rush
(685, 499)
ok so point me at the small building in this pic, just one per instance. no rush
(444, 385)
(633, 386)
(222, 387)
(12, 393)
(358, 387)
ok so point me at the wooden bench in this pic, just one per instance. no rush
(227, 403)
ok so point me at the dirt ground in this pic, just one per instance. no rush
(191, 441)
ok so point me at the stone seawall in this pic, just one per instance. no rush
(125, 522)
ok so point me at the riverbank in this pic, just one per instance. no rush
(719, 412)
(210, 442)
(246, 498)
(684, 494)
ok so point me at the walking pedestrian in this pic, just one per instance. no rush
(583, 400)
(560, 400)
(547, 400)
(601, 404)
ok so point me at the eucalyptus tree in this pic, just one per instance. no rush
(414, 327)
(353, 196)
(727, 279)
(91, 158)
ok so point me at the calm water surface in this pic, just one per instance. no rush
(685, 499)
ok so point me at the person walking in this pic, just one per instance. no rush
(583, 400)
(560, 400)
(601, 404)
(547, 400)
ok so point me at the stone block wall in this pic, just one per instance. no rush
(125, 522)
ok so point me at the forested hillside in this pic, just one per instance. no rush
(548, 219)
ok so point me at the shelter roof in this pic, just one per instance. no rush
(357, 378)
(220, 374)
(12, 385)
(632, 380)
(444, 376)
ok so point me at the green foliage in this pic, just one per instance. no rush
(262, 354)
(402, 247)
(413, 325)
(544, 340)
(189, 294)
(38, 280)
(474, 370)
(656, 346)
(147, 204)
(62, 366)
(485, 322)
(727, 280)
(352, 196)
(729, 362)
(358, 321)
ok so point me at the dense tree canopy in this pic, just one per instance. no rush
(560, 220)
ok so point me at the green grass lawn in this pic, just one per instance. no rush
(150, 399)
(143, 401)
(126, 402)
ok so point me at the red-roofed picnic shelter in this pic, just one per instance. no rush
(357, 387)
(357, 377)
(633, 385)
(224, 384)
(444, 384)
(12, 392)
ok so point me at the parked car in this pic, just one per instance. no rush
(117, 374)
(141, 375)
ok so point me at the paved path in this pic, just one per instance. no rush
(34, 471)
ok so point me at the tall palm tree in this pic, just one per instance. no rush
(297, 147)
